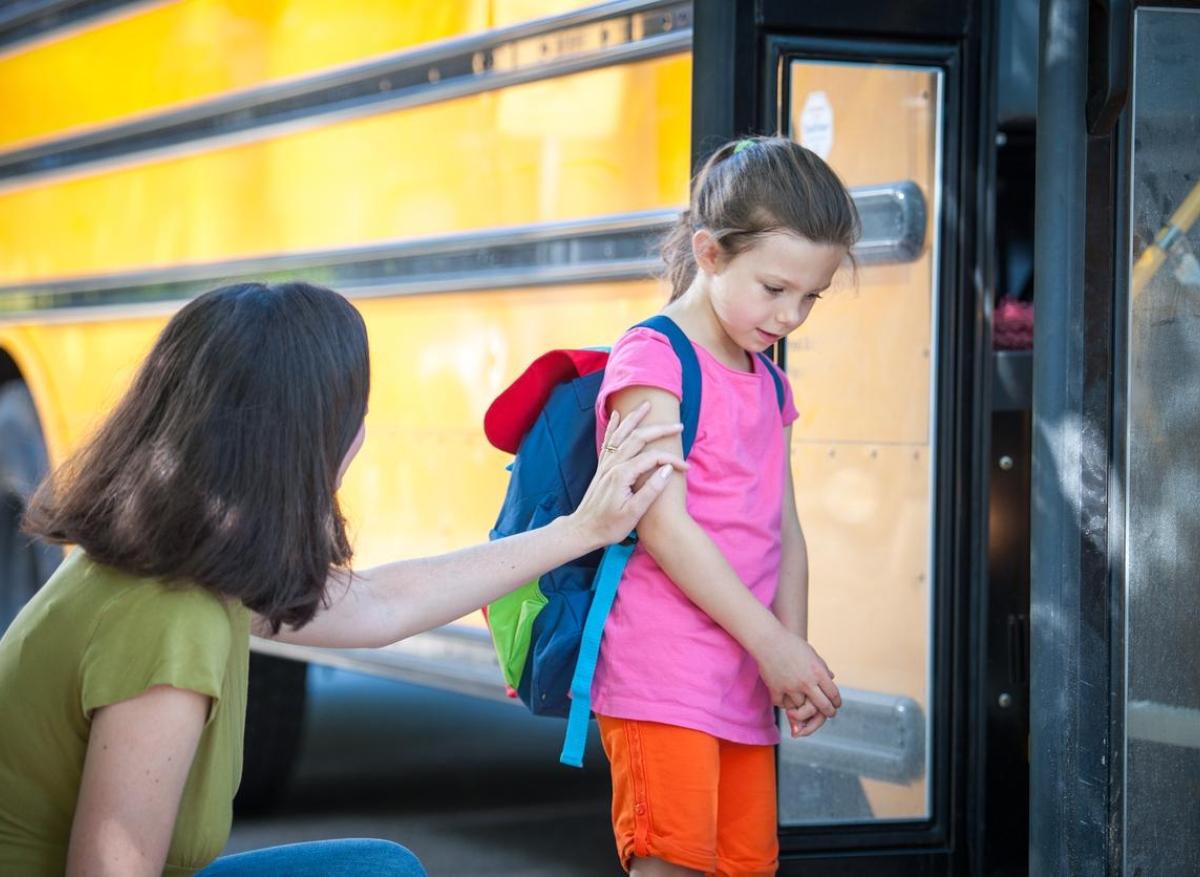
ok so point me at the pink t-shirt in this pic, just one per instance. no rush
(662, 659)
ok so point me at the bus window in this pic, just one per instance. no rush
(863, 453)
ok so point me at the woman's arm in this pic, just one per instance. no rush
(789, 666)
(384, 604)
(388, 603)
(138, 757)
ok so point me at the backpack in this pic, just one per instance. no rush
(547, 632)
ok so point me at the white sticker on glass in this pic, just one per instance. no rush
(816, 124)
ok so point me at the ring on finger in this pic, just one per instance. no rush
(611, 447)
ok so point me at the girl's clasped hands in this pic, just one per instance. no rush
(800, 682)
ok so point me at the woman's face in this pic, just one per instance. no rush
(351, 452)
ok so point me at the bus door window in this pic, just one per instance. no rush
(863, 453)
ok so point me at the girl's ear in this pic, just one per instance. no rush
(707, 252)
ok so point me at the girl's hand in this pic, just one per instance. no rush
(795, 675)
(612, 506)
(803, 718)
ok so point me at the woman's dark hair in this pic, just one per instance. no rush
(752, 187)
(220, 464)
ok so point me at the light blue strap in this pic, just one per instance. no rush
(608, 576)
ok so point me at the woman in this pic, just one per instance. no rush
(205, 507)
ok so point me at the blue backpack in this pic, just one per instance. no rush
(547, 632)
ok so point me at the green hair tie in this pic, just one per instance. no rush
(742, 144)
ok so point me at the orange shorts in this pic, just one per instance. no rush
(691, 799)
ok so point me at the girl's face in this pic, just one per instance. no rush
(351, 452)
(764, 293)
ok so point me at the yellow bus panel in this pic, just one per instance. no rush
(174, 54)
(538, 152)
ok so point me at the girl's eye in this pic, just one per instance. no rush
(774, 290)
(814, 296)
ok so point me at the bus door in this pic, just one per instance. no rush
(1115, 700)
(890, 377)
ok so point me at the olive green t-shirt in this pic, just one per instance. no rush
(91, 637)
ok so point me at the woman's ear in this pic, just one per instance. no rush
(706, 250)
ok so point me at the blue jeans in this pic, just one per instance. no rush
(322, 858)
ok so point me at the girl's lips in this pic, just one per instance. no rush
(767, 336)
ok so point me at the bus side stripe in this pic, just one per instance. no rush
(611, 34)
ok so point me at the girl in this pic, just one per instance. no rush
(206, 507)
(709, 626)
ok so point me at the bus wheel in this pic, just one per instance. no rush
(24, 563)
(274, 721)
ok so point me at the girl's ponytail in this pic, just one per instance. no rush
(678, 258)
(677, 255)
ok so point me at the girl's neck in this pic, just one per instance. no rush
(694, 314)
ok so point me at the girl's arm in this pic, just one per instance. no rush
(791, 600)
(791, 669)
(387, 603)
(138, 757)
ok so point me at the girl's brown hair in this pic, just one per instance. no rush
(219, 466)
(756, 186)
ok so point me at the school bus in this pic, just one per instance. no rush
(487, 179)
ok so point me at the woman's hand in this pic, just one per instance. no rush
(614, 502)
(799, 681)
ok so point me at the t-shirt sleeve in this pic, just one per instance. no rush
(641, 358)
(155, 635)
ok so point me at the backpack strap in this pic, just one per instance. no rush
(689, 404)
(608, 576)
(773, 372)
